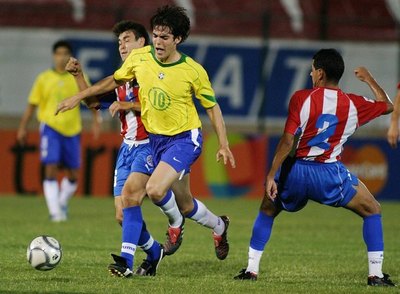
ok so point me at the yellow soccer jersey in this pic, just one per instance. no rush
(48, 90)
(166, 91)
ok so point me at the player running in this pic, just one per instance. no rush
(60, 143)
(167, 80)
(322, 118)
(134, 163)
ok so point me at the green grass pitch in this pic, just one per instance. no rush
(317, 250)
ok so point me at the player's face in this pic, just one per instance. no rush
(61, 57)
(164, 44)
(127, 42)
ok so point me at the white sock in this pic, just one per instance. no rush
(67, 191)
(51, 191)
(375, 261)
(206, 218)
(254, 260)
(171, 210)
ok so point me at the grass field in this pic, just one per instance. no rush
(317, 250)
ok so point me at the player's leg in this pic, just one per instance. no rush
(261, 233)
(71, 160)
(158, 190)
(118, 209)
(135, 161)
(154, 251)
(196, 210)
(366, 206)
(50, 151)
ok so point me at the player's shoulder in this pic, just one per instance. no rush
(45, 75)
(140, 52)
(303, 93)
(196, 67)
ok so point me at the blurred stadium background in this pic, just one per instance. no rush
(257, 53)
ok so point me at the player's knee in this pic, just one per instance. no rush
(155, 192)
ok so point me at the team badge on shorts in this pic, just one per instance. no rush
(149, 160)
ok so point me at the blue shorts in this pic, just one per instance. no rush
(58, 149)
(326, 183)
(179, 151)
(131, 158)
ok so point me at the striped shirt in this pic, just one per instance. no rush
(132, 128)
(325, 118)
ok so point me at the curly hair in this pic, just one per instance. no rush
(174, 18)
(138, 30)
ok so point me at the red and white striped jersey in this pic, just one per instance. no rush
(132, 128)
(325, 118)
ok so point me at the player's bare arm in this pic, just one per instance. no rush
(283, 149)
(74, 68)
(393, 131)
(105, 85)
(218, 124)
(380, 95)
(123, 105)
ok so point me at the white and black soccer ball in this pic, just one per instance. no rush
(44, 253)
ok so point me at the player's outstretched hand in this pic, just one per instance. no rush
(362, 74)
(73, 66)
(67, 104)
(226, 154)
(271, 189)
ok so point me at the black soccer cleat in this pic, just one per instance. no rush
(174, 238)
(120, 267)
(244, 275)
(383, 282)
(149, 268)
(221, 241)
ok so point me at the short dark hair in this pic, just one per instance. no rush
(331, 62)
(174, 18)
(62, 43)
(127, 25)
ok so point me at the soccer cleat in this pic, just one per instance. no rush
(174, 238)
(221, 241)
(244, 275)
(149, 268)
(376, 281)
(119, 268)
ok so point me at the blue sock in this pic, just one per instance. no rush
(131, 227)
(373, 233)
(150, 246)
(261, 231)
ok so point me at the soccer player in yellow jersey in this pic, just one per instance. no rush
(167, 80)
(59, 135)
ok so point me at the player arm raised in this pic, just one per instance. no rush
(393, 131)
(283, 149)
(103, 86)
(217, 121)
(74, 67)
(380, 95)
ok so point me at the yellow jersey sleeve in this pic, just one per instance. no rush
(202, 87)
(127, 71)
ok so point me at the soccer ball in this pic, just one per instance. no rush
(44, 253)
